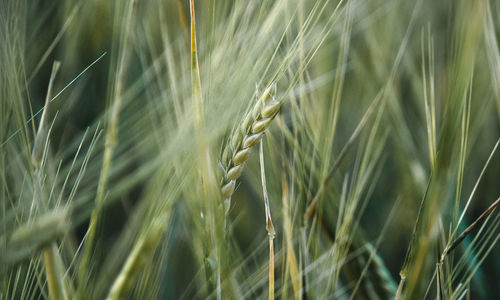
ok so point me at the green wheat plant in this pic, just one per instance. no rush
(217, 149)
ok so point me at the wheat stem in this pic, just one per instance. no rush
(109, 146)
(54, 269)
(269, 222)
(287, 226)
(140, 255)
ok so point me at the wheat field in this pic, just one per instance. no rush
(260, 149)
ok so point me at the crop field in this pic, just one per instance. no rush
(249, 149)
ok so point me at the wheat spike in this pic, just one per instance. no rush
(243, 138)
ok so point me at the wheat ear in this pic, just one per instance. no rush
(243, 138)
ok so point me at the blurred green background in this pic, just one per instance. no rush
(390, 41)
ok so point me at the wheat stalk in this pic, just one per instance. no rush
(269, 222)
(54, 269)
(244, 137)
(138, 258)
(109, 148)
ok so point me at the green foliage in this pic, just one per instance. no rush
(138, 171)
